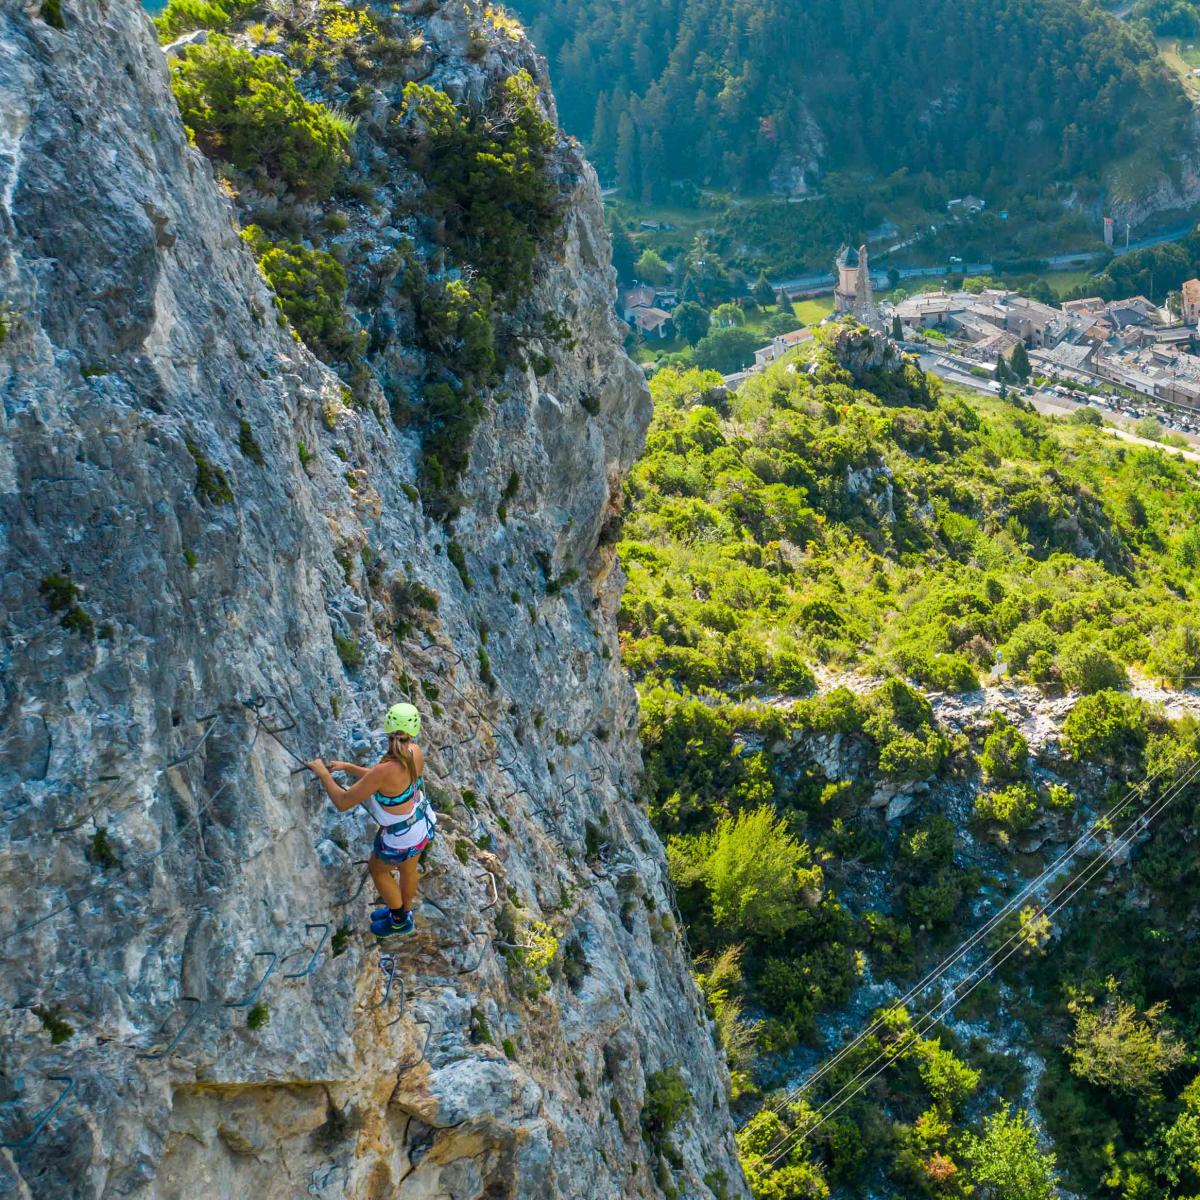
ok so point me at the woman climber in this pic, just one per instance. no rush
(394, 792)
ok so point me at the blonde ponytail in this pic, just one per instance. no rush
(400, 749)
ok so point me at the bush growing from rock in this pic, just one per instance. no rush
(1107, 726)
(311, 286)
(1117, 1048)
(248, 111)
(757, 876)
(1013, 807)
(1088, 667)
(1004, 756)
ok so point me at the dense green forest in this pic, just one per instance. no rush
(817, 565)
(721, 92)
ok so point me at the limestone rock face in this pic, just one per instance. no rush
(206, 557)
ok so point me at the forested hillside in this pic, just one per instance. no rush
(897, 650)
(724, 92)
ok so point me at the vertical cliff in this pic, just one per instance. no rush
(214, 547)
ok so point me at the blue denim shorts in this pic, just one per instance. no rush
(398, 856)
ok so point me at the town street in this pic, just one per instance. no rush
(1044, 401)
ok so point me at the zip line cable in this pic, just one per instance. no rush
(1074, 886)
(1051, 908)
(1016, 940)
(1045, 876)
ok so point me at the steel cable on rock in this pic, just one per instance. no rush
(964, 948)
(992, 963)
(498, 736)
(108, 883)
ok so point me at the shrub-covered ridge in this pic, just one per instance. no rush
(398, 224)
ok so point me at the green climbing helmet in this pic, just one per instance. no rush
(402, 718)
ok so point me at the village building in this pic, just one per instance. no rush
(651, 322)
(1029, 319)
(1063, 356)
(933, 310)
(1097, 332)
(997, 344)
(1136, 310)
(641, 296)
(967, 204)
(1191, 302)
(779, 346)
(1182, 336)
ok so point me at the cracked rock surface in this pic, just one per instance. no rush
(181, 598)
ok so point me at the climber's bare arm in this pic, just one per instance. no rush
(346, 798)
(349, 767)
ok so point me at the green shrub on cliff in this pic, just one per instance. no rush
(248, 111)
(311, 286)
(1107, 726)
(755, 874)
(486, 177)
(182, 16)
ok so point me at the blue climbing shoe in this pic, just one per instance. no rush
(386, 930)
(384, 915)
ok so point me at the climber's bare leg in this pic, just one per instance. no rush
(385, 881)
(409, 881)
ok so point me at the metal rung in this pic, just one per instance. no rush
(248, 1001)
(44, 1118)
(387, 964)
(495, 890)
(424, 1048)
(482, 951)
(191, 1020)
(259, 702)
(312, 962)
(256, 704)
(362, 883)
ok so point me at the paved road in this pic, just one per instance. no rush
(824, 281)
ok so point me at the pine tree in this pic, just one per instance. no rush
(624, 252)
(763, 292)
(691, 322)
(897, 328)
(629, 171)
(1019, 362)
(603, 146)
